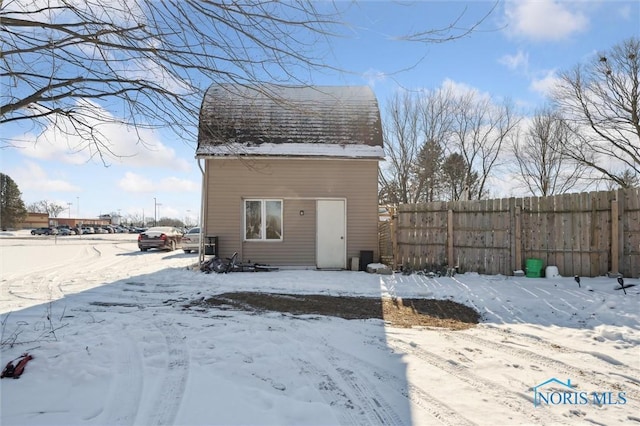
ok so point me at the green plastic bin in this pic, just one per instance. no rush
(533, 268)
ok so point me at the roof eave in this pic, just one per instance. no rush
(288, 156)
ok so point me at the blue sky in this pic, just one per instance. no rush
(516, 53)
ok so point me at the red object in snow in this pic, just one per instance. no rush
(16, 371)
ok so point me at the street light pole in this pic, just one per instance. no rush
(155, 209)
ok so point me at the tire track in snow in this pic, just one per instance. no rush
(347, 412)
(168, 398)
(509, 337)
(373, 403)
(123, 401)
(435, 408)
(29, 285)
(521, 404)
(357, 399)
(85, 266)
(587, 376)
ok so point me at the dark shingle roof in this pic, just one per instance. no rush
(274, 115)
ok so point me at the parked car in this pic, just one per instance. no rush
(191, 240)
(160, 237)
(65, 231)
(44, 231)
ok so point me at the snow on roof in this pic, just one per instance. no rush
(292, 150)
(234, 116)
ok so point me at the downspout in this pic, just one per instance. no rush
(203, 200)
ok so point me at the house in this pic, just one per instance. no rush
(291, 173)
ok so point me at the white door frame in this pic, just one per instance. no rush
(331, 233)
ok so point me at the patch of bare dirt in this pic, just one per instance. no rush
(397, 312)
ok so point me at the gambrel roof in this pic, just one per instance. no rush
(273, 120)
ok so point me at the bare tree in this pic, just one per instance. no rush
(417, 130)
(387, 190)
(602, 99)
(46, 206)
(76, 65)
(403, 141)
(132, 219)
(480, 130)
(541, 163)
(436, 125)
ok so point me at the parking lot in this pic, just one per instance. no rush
(37, 265)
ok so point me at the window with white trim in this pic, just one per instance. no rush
(262, 220)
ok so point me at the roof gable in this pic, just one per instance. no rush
(243, 116)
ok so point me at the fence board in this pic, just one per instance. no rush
(585, 233)
(631, 232)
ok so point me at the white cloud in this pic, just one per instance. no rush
(625, 12)
(462, 89)
(373, 76)
(132, 182)
(544, 20)
(546, 84)
(32, 177)
(519, 61)
(116, 143)
(174, 184)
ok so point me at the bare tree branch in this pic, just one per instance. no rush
(541, 163)
(602, 100)
(481, 128)
(146, 64)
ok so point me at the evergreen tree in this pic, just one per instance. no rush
(12, 210)
(428, 171)
(456, 179)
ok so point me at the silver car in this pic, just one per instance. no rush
(65, 231)
(191, 240)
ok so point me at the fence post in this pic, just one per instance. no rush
(615, 240)
(518, 238)
(450, 260)
(394, 237)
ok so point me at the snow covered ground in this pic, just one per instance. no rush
(113, 344)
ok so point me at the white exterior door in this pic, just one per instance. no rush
(331, 229)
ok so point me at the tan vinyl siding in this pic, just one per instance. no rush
(298, 182)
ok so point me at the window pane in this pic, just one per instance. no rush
(253, 220)
(274, 219)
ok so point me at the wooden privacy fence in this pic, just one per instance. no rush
(587, 234)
